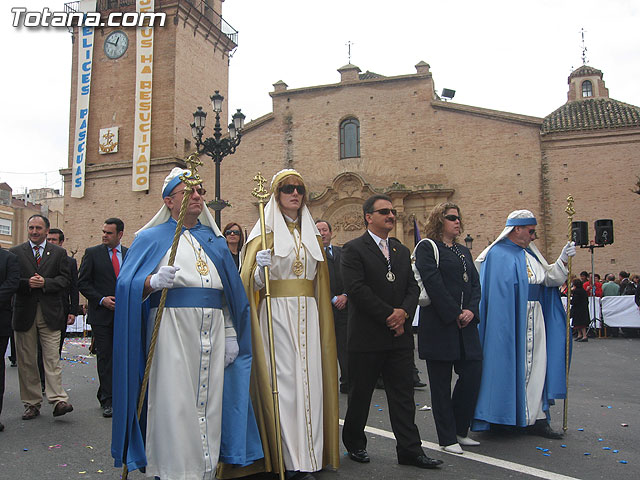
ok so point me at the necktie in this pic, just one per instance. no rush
(36, 251)
(385, 249)
(329, 254)
(114, 261)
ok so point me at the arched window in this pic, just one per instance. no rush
(587, 89)
(350, 138)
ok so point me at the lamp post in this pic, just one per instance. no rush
(468, 241)
(217, 147)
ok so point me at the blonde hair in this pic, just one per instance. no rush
(433, 228)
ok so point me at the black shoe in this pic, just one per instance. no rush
(107, 412)
(302, 476)
(421, 461)
(419, 384)
(379, 384)
(585, 339)
(542, 429)
(344, 388)
(13, 363)
(360, 456)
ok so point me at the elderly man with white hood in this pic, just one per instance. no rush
(303, 330)
(198, 410)
(522, 330)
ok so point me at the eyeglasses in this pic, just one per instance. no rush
(199, 190)
(288, 189)
(452, 218)
(231, 232)
(532, 231)
(386, 211)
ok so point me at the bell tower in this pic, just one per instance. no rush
(143, 87)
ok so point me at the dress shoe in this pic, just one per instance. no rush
(13, 363)
(344, 388)
(467, 441)
(62, 408)
(30, 413)
(584, 339)
(107, 412)
(302, 476)
(421, 461)
(419, 384)
(453, 448)
(542, 429)
(360, 456)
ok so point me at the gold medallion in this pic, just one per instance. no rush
(465, 277)
(202, 267)
(297, 268)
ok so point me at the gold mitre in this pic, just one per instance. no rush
(281, 175)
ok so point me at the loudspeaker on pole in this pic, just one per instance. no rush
(604, 232)
(580, 233)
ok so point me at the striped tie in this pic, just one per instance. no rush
(36, 251)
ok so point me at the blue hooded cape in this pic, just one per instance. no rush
(503, 335)
(240, 440)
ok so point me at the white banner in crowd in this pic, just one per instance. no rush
(620, 311)
(144, 81)
(85, 62)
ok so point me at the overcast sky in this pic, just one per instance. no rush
(510, 55)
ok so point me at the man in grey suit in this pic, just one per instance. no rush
(9, 278)
(97, 280)
(38, 315)
(338, 298)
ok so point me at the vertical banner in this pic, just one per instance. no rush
(85, 62)
(142, 124)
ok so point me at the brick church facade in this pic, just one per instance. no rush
(368, 133)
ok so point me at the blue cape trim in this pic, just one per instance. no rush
(240, 440)
(502, 329)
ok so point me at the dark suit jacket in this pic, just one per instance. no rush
(335, 280)
(72, 296)
(54, 268)
(372, 297)
(439, 337)
(97, 280)
(9, 280)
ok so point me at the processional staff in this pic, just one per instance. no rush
(570, 211)
(191, 180)
(262, 194)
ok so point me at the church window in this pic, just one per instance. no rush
(587, 89)
(350, 138)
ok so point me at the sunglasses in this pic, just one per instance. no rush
(288, 189)
(452, 218)
(231, 232)
(199, 190)
(386, 211)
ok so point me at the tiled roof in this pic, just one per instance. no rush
(591, 114)
(584, 71)
(369, 75)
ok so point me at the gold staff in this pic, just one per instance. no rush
(262, 194)
(191, 179)
(570, 211)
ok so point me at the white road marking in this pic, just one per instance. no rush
(496, 462)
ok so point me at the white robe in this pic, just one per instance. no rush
(536, 366)
(186, 379)
(296, 334)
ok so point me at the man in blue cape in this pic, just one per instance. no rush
(522, 330)
(197, 410)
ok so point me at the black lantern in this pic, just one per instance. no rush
(217, 147)
(468, 241)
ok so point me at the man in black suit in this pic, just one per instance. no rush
(9, 279)
(38, 316)
(338, 298)
(97, 280)
(383, 295)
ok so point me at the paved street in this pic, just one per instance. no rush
(604, 396)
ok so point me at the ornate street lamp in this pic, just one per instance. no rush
(468, 241)
(217, 147)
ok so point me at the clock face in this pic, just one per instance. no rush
(116, 44)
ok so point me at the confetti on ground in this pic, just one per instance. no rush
(600, 439)
(581, 429)
(606, 448)
(546, 454)
(587, 453)
(89, 446)
(425, 408)
(563, 446)
(623, 461)
(379, 409)
(62, 464)
(624, 424)
(25, 449)
(51, 447)
(615, 451)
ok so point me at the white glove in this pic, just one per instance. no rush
(231, 350)
(263, 258)
(164, 278)
(569, 250)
